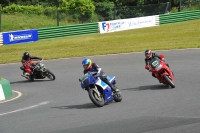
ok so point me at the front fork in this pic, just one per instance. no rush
(97, 91)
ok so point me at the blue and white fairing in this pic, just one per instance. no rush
(88, 79)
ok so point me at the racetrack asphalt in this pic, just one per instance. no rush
(61, 106)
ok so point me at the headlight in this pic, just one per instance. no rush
(158, 67)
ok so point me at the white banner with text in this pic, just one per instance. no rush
(126, 24)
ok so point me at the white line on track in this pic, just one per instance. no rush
(30, 107)
(19, 94)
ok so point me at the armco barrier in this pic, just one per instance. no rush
(179, 17)
(69, 30)
(1, 38)
(5, 89)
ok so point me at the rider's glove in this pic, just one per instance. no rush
(147, 67)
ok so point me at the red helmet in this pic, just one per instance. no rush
(148, 54)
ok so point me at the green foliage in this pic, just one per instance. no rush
(1, 78)
(50, 12)
(81, 9)
(191, 6)
(174, 9)
(23, 9)
(105, 10)
(73, 10)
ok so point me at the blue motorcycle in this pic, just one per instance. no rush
(99, 92)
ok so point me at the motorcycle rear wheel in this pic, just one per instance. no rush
(117, 96)
(166, 78)
(98, 101)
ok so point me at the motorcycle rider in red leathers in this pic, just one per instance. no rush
(28, 64)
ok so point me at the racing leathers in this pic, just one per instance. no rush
(28, 65)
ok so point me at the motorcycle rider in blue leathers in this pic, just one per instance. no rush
(97, 72)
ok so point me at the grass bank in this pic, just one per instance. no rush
(13, 22)
(171, 36)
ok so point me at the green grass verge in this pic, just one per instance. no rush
(165, 37)
(19, 21)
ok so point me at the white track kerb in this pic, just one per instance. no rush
(2, 97)
(5, 89)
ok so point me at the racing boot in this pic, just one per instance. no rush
(26, 75)
(113, 88)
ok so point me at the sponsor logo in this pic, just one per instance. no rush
(19, 37)
(105, 26)
(112, 25)
(117, 25)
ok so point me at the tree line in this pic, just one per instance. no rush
(92, 10)
(96, 2)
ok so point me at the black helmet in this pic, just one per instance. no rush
(26, 55)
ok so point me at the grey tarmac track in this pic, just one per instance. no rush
(61, 106)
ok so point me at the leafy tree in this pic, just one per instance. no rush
(81, 9)
(105, 10)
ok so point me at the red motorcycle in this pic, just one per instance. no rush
(162, 72)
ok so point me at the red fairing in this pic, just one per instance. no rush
(164, 70)
(162, 56)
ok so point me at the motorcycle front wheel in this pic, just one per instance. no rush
(50, 75)
(95, 98)
(166, 78)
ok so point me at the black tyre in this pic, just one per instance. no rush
(97, 100)
(117, 96)
(31, 78)
(166, 78)
(50, 75)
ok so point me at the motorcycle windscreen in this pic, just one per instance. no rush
(155, 62)
(87, 79)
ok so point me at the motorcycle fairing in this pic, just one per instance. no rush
(106, 90)
(111, 79)
(100, 83)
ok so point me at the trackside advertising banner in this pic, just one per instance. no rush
(126, 24)
(22, 36)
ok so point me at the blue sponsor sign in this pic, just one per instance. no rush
(22, 36)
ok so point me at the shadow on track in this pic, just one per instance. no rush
(149, 87)
(26, 81)
(82, 106)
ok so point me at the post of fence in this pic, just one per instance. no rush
(180, 6)
(114, 12)
(58, 13)
(0, 21)
(58, 17)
